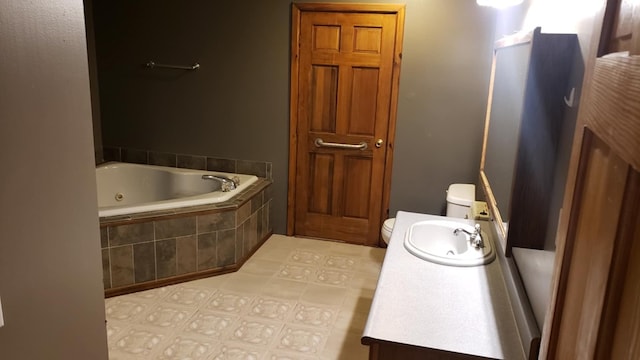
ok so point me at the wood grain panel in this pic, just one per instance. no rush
(620, 102)
(364, 96)
(357, 185)
(324, 98)
(326, 37)
(626, 336)
(621, 30)
(367, 39)
(619, 336)
(321, 183)
(374, 110)
(609, 120)
(596, 217)
(624, 22)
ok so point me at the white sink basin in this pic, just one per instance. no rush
(435, 241)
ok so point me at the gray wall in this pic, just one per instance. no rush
(443, 95)
(237, 105)
(50, 274)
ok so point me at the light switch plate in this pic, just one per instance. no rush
(1, 317)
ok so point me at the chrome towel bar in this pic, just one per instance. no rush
(152, 64)
(361, 146)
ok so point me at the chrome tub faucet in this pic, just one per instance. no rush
(226, 184)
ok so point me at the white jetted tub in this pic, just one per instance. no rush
(125, 188)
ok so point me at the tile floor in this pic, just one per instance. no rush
(294, 298)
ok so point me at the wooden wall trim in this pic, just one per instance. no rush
(370, 8)
(393, 115)
(293, 118)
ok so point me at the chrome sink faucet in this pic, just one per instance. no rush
(474, 237)
(226, 183)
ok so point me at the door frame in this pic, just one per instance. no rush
(297, 10)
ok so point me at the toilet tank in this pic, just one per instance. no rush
(459, 200)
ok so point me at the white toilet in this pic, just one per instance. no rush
(459, 200)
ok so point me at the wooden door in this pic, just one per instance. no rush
(595, 309)
(345, 70)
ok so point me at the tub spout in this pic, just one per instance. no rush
(226, 183)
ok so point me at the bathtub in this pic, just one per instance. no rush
(125, 188)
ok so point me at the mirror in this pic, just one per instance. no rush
(523, 131)
(504, 109)
(510, 70)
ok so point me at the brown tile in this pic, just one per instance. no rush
(98, 155)
(144, 262)
(246, 246)
(111, 153)
(253, 231)
(256, 202)
(191, 162)
(166, 258)
(106, 269)
(134, 156)
(226, 247)
(268, 208)
(240, 251)
(257, 168)
(172, 228)
(104, 238)
(267, 193)
(207, 251)
(218, 221)
(130, 234)
(223, 165)
(260, 224)
(162, 159)
(243, 212)
(186, 254)
(265, 221)
(121, 265)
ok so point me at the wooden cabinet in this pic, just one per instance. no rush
(525, 113)
(394, 351)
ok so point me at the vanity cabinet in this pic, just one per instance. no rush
(530, 93)
(426, 310)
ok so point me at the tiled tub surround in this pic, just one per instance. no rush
(147, 250)
(198, 162)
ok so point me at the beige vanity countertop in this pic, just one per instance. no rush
(463, 310)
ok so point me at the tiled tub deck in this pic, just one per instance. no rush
(148, 250)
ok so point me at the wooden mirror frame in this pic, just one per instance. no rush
(484, 181)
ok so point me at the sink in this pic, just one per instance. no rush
(435, 241)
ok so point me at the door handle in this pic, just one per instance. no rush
(379, 143)
(320, 143)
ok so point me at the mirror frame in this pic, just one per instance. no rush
(516, 39)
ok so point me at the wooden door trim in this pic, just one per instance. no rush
(297, 10)
(560, 268)
(585, 120)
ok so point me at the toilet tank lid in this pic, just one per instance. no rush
(461, 194)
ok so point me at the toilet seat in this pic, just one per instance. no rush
(388, 224)
(387, 227)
